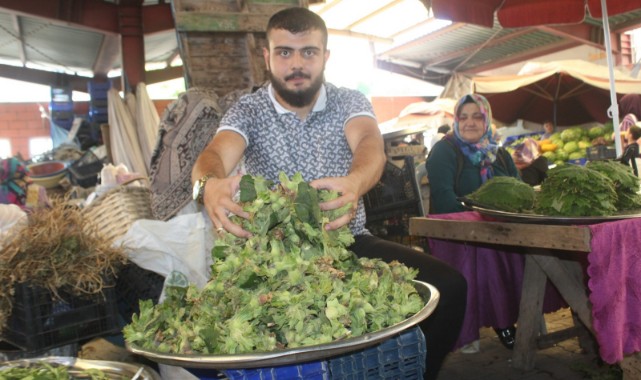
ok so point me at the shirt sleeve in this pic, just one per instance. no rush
(238, 119)
(353, 103)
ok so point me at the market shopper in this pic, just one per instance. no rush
(300, 123)
(630, 113)
(631, 152)
(532, 166)
(548, 128)
(458, 165)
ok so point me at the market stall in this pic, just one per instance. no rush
(579, 231)
(555, 252)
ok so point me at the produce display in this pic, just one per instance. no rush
(291, 284)
(600, 188)
(625, 183)
(515, 195)
(571, 143)
(46, 371)
(574, 190)
(55, 250)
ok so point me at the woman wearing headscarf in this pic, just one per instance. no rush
(459, 164)
(462, 161)
(630, 112)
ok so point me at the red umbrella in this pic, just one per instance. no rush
(523, 13)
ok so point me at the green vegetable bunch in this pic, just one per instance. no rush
(573, 190)
(625, 182)
(45, 371)
(506, 194)
(291, 284)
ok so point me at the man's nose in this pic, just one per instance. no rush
(297, 60)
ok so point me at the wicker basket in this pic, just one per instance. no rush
(113, 213)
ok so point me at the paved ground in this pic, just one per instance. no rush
(564, 361)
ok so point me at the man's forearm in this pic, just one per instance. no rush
(368, 163)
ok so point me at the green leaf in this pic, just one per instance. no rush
(247, 189)
(306, 204)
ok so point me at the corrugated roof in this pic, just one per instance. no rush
(404, 35)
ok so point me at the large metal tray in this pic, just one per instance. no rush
(299, 354)
(545, 219)
(113, 370)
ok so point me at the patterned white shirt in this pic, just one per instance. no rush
(277, 140)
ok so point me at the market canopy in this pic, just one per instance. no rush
(522, 13)
(418, 117)
(568, 92)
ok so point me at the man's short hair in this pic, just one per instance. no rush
(297, 20)
(635, 132)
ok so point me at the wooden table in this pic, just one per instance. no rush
(547, 251)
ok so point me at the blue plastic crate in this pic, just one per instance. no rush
(400, 357)
(311, 371)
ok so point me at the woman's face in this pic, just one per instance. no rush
(471, 123)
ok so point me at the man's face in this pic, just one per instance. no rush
(296, 63)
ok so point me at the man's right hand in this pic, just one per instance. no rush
(219, 204)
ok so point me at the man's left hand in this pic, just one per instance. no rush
(348, 191)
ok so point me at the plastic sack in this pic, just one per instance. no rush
(182, 244)
(179, 247)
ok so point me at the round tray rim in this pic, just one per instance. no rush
(298, 354)
(119, 369)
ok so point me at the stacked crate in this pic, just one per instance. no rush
(61, 107)
(98, 110)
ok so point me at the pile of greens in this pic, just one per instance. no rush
(45, 371)
(515, 195)
(625, 183)
(573, 190)
(291, 284)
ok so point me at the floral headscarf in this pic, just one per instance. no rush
(483, 153)
(525, 153)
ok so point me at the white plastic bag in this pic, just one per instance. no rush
(182, 244)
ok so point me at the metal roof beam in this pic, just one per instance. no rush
(17, 26)
(375, 13)
(94, 15)
(79, 83)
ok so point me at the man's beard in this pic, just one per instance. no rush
(296, 98)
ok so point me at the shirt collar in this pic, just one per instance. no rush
(320, 104)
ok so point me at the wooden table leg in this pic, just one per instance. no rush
(567, 276)
(530, 311)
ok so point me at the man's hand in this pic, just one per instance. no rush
(349, 192)
(218, 203)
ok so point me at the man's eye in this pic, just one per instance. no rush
(284, 53)
(309, 53)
